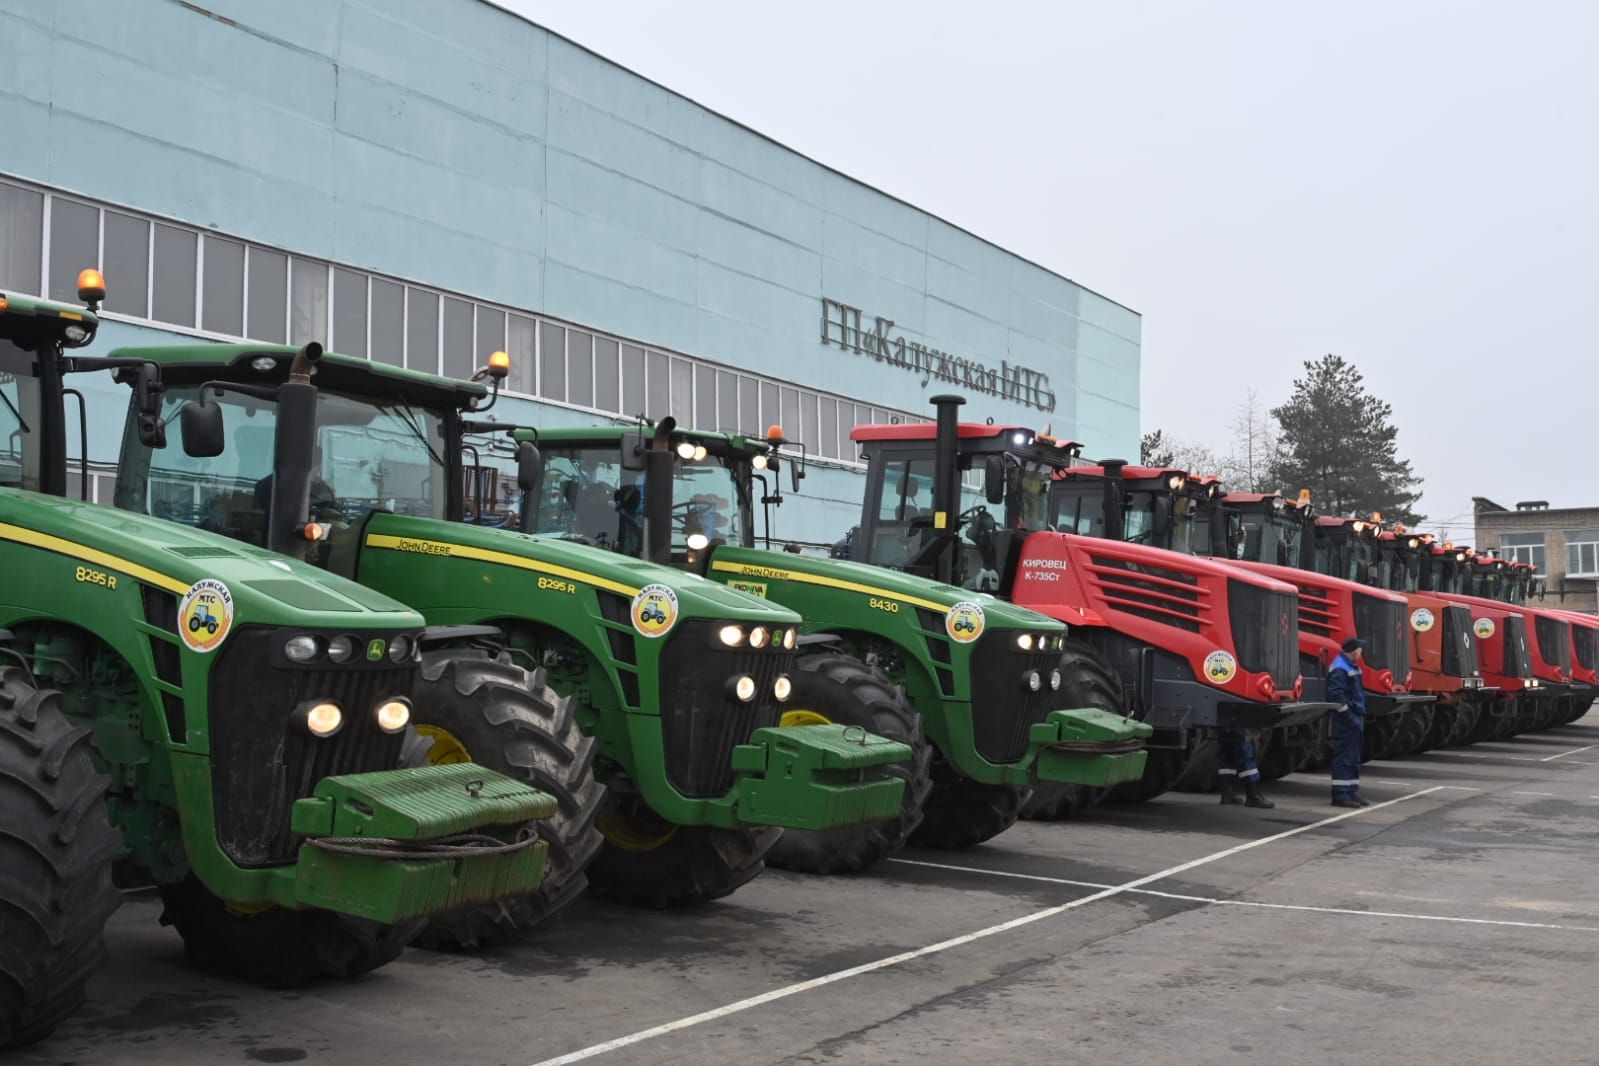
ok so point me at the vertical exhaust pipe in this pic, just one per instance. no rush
(294, 456)
(946, 481)
(660, 466)
(1115, 517)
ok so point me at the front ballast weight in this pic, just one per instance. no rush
(817, 777)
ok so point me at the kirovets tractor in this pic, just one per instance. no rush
(174, 712)
(974, 685)
(646, 701)
(1185, 645)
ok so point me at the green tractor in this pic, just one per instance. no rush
(647, 702)
(970, 683)
(173, 713)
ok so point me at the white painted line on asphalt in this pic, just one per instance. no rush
(1573, 751)
(1489, 755)
(1255, 903)
(595, 1050)
(1532, 793)
(1385, 781)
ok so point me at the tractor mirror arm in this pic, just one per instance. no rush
(483, 425)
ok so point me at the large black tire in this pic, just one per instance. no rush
(961, 812)
(277, 947)
(845, 690)
(509, 720)
(56, 850)
(647, 862)
(1162, 771)
(1086, 681)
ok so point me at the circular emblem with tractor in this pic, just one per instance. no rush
(1220, 667)
(1421, 619)
(654, 610)
(964, 623)
(205, 615)
(1483, 627)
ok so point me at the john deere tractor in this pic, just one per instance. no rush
(971, 683)
(645, 700)
(223, 722)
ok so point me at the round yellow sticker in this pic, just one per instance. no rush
(1483, 627)
(205, 615)
(1220, 667)
(1421, 620)
(655, 610)
(964, 623)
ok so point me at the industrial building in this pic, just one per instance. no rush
(1562, 542)
(425, 183)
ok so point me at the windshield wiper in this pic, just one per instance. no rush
(22, 423)
(414, 422)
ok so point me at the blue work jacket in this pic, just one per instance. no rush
(1344, 686)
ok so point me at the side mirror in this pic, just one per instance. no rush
(201, 423)
(994, 479)
(529, 468)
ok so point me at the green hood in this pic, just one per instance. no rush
(267, 588)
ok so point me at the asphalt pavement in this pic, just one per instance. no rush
(1455, 921)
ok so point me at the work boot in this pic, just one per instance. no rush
(1255, 798)
(1347, 801)
(1362, 802)
(1229, 790)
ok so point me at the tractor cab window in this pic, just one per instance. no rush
(1079, 507)
(1142, 521)
(19, 419)
(369, 456)
(588, 496)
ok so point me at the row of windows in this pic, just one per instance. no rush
(176, 276)
(1582, 550)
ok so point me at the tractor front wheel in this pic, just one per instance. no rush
(649, 862)
(830, 688)
(56, 849)
(510, 720)
(961, 812)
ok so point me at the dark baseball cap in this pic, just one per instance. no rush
(1355, 644)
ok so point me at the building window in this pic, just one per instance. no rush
(308, 301)
(21, 238)
(1582, 552)
(422, 331)
(74, 244)
(223, 287)
(125, 261)
(267, 295)
(388, 322)
(172, 280)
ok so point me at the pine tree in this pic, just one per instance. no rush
(1339, 441)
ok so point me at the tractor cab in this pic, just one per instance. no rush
(1162, 507)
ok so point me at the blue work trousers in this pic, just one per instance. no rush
(1347, 727)
(1235, 755)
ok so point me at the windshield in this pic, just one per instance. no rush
(588, 496)
(369, 456)
(1263, 537)
(1142, 524)
(19, 419)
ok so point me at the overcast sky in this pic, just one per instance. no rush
(1412, 186)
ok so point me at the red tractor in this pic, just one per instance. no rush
(1184, 644)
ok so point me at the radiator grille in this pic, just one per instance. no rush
(1265, 630)
(1382, 624)
(1459, 650)
(1004, 708)
(701, 720)
(1554, 642)
(1157, 593)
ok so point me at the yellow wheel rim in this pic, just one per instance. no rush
(240, 909)
(630, 835)
(447, 749)
(803, 717)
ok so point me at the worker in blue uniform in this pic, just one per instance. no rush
(1345, 689)
(1235, 759)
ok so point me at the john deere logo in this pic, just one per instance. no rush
(965, 622)
(1421, 620)
(375, 649)
(654, 610)
(1220, 667)
(1483, 627)
(205, 615)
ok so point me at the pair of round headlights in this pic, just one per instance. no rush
(324, 718)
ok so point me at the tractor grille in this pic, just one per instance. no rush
(1554, 642)
(1582, 642)
(261, 762)
(1517, 662)
(1158, 593)
(1004, 708)
(701, 719)
(1381, 623)
(1459, 650)
(1266, 630)
(1318, 614)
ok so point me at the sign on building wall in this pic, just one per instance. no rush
(842, 325)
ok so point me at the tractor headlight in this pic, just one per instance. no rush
(685, 450)
(321, 718)
(1032, 681)
(732, 636)
(394, 715)
(1174, 482)
(700, 453)
(759, 636)
(782, 688)
(744, 688)
(301, 649)
(698, 542)
(760, 462)
(1060, 642)
(790, 638)
(1054, 680)
(1043, 642)
(340, 649)
(399, 648)
(1024, 641)
(76, 334)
